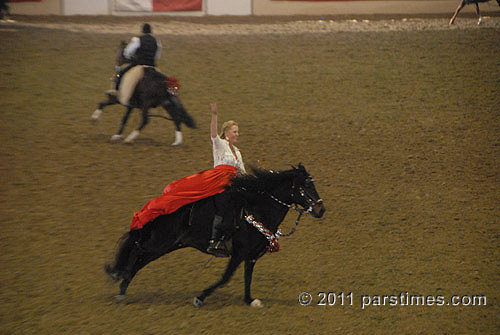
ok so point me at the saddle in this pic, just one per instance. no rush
(128, 84)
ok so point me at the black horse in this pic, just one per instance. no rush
(153, 89)
(260, 202)
(469, 2)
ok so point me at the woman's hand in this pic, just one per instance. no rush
(213, 108)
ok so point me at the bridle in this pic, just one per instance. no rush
(303, 193)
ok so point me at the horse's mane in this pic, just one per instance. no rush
(262, 180)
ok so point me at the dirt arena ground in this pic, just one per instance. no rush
(397, 119)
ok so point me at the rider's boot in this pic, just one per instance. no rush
(114, 91)
(217, 247)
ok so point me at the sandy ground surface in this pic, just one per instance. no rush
(397, 121)
(269, 25)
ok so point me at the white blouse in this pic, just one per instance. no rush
(224, 155)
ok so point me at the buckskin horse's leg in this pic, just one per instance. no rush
(233, 264)
(172, 106)
(249, 265)
(97, 113)
(119, 136)
(178, 134)
(145, 119)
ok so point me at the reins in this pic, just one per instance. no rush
(294, 227)
(297, 221)
(273, 238)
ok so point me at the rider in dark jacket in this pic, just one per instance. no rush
(142, 50)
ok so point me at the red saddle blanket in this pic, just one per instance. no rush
(184, 191)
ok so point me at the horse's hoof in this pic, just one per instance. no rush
(256, 303)
(178, 138)
(120, 297)
(133, 135)
(197, 302)
(97, 113)
(116, 138)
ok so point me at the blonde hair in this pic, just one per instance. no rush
(227, 125)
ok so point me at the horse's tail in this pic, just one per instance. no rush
(181, 114)
(188, 119)
(498, 2)
(118, 268)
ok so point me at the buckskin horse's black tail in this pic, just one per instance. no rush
(188, 119)
(180, 113)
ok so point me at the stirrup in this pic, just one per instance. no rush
(218, 248)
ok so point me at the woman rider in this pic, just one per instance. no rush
(227, 164)
(225, 153)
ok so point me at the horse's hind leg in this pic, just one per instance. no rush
(178, 134)
(179, 115)
(132, 270)
(233, 264)
(171, 108)
(137, 261)
(459, 8)
(478, 13)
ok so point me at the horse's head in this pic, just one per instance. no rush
(304, 192)
(120, 58)
(288, 188)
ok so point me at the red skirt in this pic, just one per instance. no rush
(184, 191)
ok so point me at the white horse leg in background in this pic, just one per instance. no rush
(461, 6)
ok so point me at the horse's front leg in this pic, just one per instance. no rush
(98, 112)
(249, 265)
(134, 134)
(233, 264)
(119, 136)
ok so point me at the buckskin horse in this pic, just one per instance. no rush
(144, 87)
(260, 202)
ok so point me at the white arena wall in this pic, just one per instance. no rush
(269, 7)
(256, 7)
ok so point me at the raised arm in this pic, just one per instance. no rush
(213, 123)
